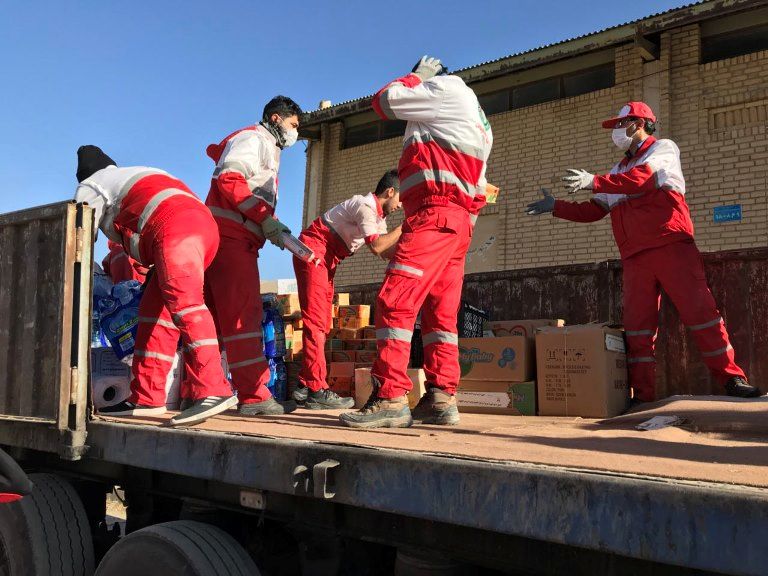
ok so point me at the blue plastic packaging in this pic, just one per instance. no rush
(119, 316)
(280, 389)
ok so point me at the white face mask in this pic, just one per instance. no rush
(290, 135)
(620, 138)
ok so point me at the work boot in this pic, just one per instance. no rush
(436, 407)
(380, 413)
(204, 408)
(740, 388)
(300, 394)
(268, 407)
(130, 409)
(327, 399)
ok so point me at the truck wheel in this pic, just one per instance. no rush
(180, 547)
(46, 532)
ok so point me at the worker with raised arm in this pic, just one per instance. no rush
(242, 199)
(334, 236)
(645, 195)
(161, 223)
(442, 188)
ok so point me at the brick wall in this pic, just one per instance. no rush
(715, 112)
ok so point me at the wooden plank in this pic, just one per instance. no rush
(26, 382)
(7, 274)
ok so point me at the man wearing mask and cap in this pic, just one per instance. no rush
(242, 199)
(161, 223)
(442, 188)
(334, 236)
(645, 195)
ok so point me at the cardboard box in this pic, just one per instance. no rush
(334, 311)
(342, 369)
(355, 344)
(328, 355)
(344, 356)
(297, 342)
(364, 386)
(505, 359)
(490, 397)
(361, 311)
(367, 356)
(348, 333)
(342, 385)
(289, 303)
(335, 323)
(582, 371)
(334, 344)
(519, 327)
(297, 323)
(341, 299)
(288, 328)
(352, 322)
(368, 333)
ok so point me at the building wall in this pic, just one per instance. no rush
(716, 113)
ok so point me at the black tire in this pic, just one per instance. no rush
(46, 533)
(177, 548)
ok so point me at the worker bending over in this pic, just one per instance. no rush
(645, 195)
(242, 199)
(161, 223)
(334, 236)
(442, 183)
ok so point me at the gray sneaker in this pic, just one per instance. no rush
(380, 413)
(269, 407)
(436, 407)
(300, 394)
(327, 399)
(203, 409)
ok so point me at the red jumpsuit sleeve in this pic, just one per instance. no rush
(637, 180)
(589, 211)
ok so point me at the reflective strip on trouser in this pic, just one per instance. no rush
(440, 256)
(441, 337)
(405, 268)
(641, 360)
(232, 291)
(177, 285)
(315, 284)
(238, 218)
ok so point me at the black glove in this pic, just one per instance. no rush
(543, 206)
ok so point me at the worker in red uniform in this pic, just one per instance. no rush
(121, 267)
(334, 236)
(242, 199)
(645, 195)
(442, 188)
(161, 223)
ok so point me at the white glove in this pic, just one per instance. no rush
(576, 180)
(427, 68)
(273, 231)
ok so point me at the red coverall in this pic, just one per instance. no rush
(121, 267)
(243, 193)
(338, 233)
(645, 196)
(442, 183)
(160, 222)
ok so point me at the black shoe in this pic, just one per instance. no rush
(327, 399)
(740, 388)
(269, 407)
(203, 409)
(300, 394)
(130, 409)
(436, 407)
(185, 404)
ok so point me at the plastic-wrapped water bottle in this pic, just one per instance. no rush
(119, 316)
(280, 390)
(279, 327)
(268, 333)
(272, 376)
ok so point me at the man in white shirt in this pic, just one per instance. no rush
(334, 236)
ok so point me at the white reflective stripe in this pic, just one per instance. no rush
(716, 352)
(640, 332)
(156, 355)
(203, 342)
(442, 176)
(133, 247)
(385, 107)
(248, 203)
(394, 334)
(445, 145)
(249, 362)
(125, 188)
(709, 324)
(251, 226)
(157, 321)
(440, 336)
(237, 217)
(473, 219)
(245, 336)
(641, 359)
(155, 202)
(406, 268)
(181, 313)
(239, 167)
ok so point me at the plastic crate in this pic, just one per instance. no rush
(470, 325)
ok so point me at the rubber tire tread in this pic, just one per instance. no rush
(209, 550)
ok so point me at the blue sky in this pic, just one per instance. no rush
(154, 82)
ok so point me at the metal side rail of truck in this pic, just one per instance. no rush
(299, 494)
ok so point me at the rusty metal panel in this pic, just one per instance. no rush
(45, 274)
(593, 293)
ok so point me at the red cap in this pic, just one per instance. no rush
(631, 110)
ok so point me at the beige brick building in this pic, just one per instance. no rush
(702, 68)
